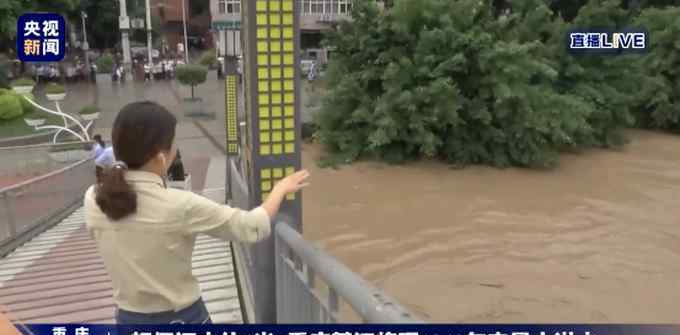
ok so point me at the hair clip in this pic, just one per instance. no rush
(120, 165)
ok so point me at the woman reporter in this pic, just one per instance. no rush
(145, 232)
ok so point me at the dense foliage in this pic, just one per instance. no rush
(10, 107)
(208, 58)
(105, 63)
(192, 75)
(659, 99)
(89, 109)
(461, 81)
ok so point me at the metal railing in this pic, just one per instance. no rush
(309, 286)
(26, 162)
(300, 266)
(31, 206)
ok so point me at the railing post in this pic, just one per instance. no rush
(11, 218)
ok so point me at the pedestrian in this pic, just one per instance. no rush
(121, 74)
(163, 72)
(147, 71)
(93, 72)
(106, 158)
(145, 232)
(99, 145)
(116, 73)
(312, 72)
(99, 148)
(220, 67)
(176, 170)
(168, 69)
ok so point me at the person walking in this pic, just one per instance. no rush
(99, 148)
(147, 72)
(145, 232)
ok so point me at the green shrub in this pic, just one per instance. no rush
(191, 75)
(445, 79)
(658, 105)
(26, 106)
(23, 82)
(10, 107)
(89, 110)
(53, 88)
(452, 79)
(208, 59)
(105, 63)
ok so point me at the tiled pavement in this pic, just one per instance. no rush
(58, 277)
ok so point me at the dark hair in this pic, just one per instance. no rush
(98, 139)
(141, 130)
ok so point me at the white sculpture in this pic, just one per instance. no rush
(82, 133)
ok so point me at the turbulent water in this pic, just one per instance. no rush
(595, 240)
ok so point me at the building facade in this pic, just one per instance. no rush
(170, 16)
(226, 26)
(316, 17)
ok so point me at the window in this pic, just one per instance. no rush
(229, 6)
(316, 6)
(345, 6)
(326, 6)
(234, 6)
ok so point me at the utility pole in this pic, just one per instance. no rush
(125, 38)
(148, 33)
(86, 46)
(186, 39)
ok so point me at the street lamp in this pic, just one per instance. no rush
(186, 42)
(86, 46)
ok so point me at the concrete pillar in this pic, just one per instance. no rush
(125, 39)
(222, 42)
(271, 69)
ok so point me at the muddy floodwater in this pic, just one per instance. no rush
(595, 240)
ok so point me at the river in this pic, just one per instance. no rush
(595, 240)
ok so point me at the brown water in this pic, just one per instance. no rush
(595, 240)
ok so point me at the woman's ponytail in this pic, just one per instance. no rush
(140, 131)
(114, 195)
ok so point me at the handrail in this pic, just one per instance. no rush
(29, 207)
(371, 303)
(43, 177)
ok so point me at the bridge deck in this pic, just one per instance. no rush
(58, 277)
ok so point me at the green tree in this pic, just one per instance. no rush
(607, 83)
(658, 105)
(10, 10)
(192, 75)
(439, 78)
(102, 23)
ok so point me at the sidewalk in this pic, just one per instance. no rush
(58, 277)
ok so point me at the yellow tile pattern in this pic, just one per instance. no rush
(231, 104)
(270, 176)
(276, 76)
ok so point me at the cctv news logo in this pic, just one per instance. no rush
(607, 42)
